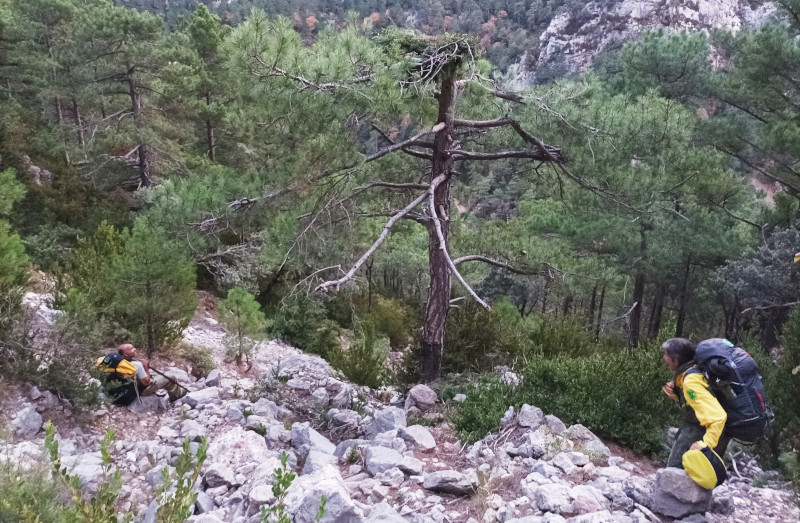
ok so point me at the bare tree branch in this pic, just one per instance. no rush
(386, 228)
(521, 153)
(443, 245)
(491, 261)
(768, 307)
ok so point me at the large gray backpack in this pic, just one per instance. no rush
(735, 379)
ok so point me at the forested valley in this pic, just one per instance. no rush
(387, 199)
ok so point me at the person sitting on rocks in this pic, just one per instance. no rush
(704, 425)
(128, 385)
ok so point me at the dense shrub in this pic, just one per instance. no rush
(29, 496)
(364, 362)
(614, 395)
(302, 322)
(478, 339)
(393, 319)
(783, 389)
(200, 357)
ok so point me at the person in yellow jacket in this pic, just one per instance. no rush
(704, 425)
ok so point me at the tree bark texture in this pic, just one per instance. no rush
(145, 176)
(683, 299)
(212, 144)
(430, 361)
(638, 295)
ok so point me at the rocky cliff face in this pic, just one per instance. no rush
(571, 42)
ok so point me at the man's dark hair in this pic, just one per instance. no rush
(679, 349)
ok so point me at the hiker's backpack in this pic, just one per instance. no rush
(115, 363)
(734, 378)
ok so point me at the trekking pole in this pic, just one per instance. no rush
(170, 379)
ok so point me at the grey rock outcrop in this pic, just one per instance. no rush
(451, 482)
(573, 40)
(304, 439)
(303, 498)
(422, 397)
(390, 418)
(27, 422)
(417, 437)
(201, 397)
(381, 459)
(677, 495)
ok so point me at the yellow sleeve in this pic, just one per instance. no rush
(709, 412)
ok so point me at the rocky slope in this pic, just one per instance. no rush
(374, 455)
(571, 42)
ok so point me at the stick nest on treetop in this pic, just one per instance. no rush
(426, 55)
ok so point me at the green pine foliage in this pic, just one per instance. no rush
(365, 361)
(153, 287)
(244, 323)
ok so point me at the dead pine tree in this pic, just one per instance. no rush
(448, 64)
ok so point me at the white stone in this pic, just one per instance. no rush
(418, 437)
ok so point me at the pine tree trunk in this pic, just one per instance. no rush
(600, 313)
(592, 305)
(638, 295)
(654, 324)
(684, 297)
(212, 144)
(567, 305)
(430, 362)
(78, 123)
(145, 177)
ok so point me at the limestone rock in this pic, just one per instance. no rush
(265, 408)
(451, 482)
(384, 513)
(303, 498)
(27, 422)
(418, 437)
(316, 461)
(213, 378)
(201, 397)
(204, 503)
(258, 424)
(422, 397)
(381, 459)
(555, 425)
(303, 436)
(390, 418)
(239, 448)
(192, 430)
(530, 416)
(553, 498)
(587, 499)
(218, 475)
(676, 495)
(88, 468)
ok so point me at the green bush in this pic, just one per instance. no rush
(200, 357)
(477, 339)
(29, 496)
(783, 389)
(364, 362)
(614, 395)
(393, 319)
(302, 323)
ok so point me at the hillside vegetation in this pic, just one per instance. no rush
(382, 189)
